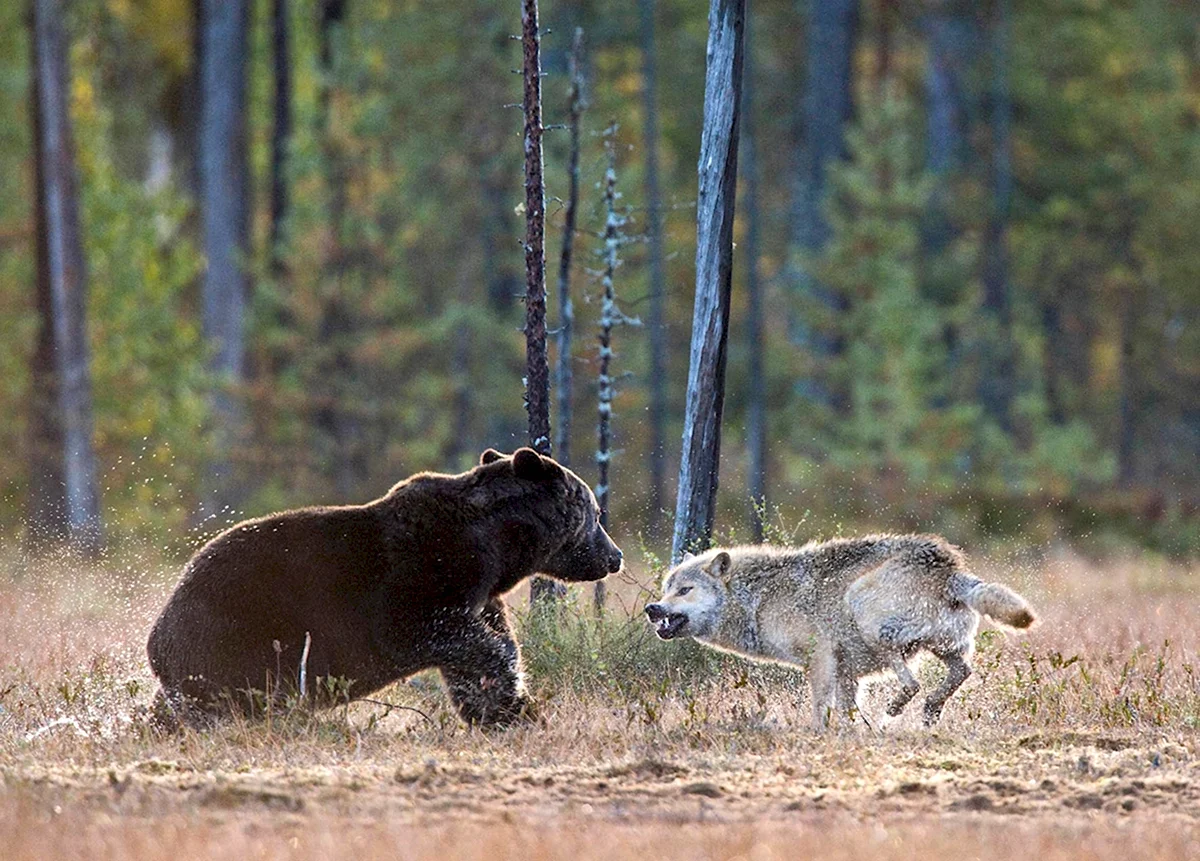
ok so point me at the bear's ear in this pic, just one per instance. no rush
(720, 566)
(687, 556)
(489, 456)
(530, 465)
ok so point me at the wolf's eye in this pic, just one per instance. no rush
(683, 591)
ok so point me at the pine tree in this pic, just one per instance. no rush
(890, 367)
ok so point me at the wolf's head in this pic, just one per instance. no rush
(694, 595)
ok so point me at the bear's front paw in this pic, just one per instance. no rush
(519, 710)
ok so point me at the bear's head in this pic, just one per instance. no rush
(558, 511)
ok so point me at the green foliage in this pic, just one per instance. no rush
(389, 339)
(891, 371)
(147, 353)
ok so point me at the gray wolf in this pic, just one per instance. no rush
(368, 594)
(845, 609)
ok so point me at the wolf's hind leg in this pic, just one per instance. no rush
(957, 672)
(908, 685)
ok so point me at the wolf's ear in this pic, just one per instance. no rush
(720, 566)
(489, 456)
(531, 466)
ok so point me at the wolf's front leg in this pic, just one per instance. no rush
(823, 675)
(847, 689)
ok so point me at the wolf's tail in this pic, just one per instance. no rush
(991, 599)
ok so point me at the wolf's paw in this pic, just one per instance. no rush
(932, 712)
(902, 699)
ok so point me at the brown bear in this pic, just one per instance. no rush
(377, 592)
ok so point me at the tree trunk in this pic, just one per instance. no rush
(334, 420)
(996, 377)
(63, 247)
(610, 316)
(696, 501)
(950, 43)
(1052, 338)
(47, 503)
(654, 247)
(826, 108)
(885, 31)
(566, 311)
(537, 366)
(224, 178)
(1127, 405)
(756, 387)
(281, 132)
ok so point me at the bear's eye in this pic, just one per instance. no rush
(683, 591)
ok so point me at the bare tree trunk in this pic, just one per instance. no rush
(566, 310)
(336, 422)
(610, 316)
(950, 43)
(1127, 405)
(887, 11)
(192, 106)
(537, 366)
(47, 504)
(696, 502)
(996, 377)
(281, 132)
(67, 275)
(224, 177)
(656, 316)
(1052, 338)
(826, 108)
(461, 442)
(756, 386)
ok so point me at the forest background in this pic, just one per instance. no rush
(966, 289)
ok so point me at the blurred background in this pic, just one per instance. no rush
(971, 227)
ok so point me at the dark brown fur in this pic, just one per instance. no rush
(410, 581)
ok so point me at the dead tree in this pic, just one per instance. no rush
(334, 418)
(62, 245)
(657, 325)
(537, 365)
(566, 311)
(224, 176)
(610, 317)
(700, 459)
(47, 504)
(996, 383)
(281, 131)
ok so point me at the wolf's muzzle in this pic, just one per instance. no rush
(667, 625)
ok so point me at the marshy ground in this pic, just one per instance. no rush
(1081, 739)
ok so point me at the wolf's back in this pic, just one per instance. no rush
(992, 599)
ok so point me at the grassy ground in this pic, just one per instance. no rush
(1081, 739)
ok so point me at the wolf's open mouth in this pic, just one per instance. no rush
(671, 625)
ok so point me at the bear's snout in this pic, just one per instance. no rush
(615, 560)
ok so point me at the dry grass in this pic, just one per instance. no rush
(1079, 740)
